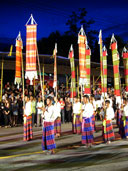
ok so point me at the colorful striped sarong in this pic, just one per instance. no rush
(57, 126)
(121, 128)
(48, 138)
(126, 126)
(108, 132)
(28, 134)
(93, 123)
(77, 125)
(87, 132)
(118, 118)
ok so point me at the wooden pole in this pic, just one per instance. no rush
(72, 91)
(39, 72)
(78, 81)
(93, 83)
(23, 81)
(43, 84)
(103, 78)
(66, 83)
(56, 77)
(81, 92)
(2, 79)
(34, 87)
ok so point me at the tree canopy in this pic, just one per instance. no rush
(64, 41)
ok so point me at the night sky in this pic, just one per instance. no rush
(110, 15)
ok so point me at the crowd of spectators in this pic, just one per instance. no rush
(11, 105)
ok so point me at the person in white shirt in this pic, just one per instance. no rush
(48, 138)
(124, 112)
(87, 132)
(57, 115)
(98, 103)
(108, 132)
(28, 134)
(39, 112)
(77, 109)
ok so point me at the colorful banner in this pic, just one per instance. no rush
(115, 58)
(31, 50)
(82, 56)
(125, 60)
(55, 67)
(87, 85)
(73, 79)
(104, 87)
(19, 47)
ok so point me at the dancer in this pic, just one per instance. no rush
(124, 111)
(57, 114)
(108, 132)
(48, 138)
(28, 134)
(77, 109)
(87, 131)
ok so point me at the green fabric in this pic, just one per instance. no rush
(33, 107)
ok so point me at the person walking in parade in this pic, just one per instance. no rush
(108, 133)
(57, 122)
(77, 109)
(28, 133)
(48, 137)
(86, 119)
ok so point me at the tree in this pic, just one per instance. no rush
(64, 41)
(76, 20)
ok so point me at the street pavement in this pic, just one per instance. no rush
(70, 154)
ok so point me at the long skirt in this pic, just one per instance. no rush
(87, 132)
(93, 123)
(48, 138)
(121, 128)
(126, 127)
(57, 126)
(118, 118)
(28, 134)
(76, 126)
(108, 132)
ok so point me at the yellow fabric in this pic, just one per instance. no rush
(25, 120)
(104, 124)
(74, 119)
(124, 120)
(74, 116)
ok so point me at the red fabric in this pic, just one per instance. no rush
(62, 103)
(73, 74)
(28, 134)
(82, 55)
(57, 125)
(18, 58)
(88, 71)
(31, 48)
(109, 135)
(87, 91)
(125, 55)
(117, 92)
(113, 46)
(104, 53)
